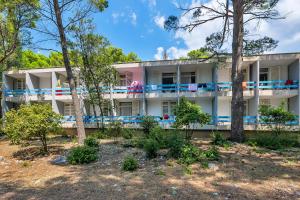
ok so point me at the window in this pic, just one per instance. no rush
(168, 107)
(125, 109)
(264, 74)
(69, 109)
(20, 84)
(126, 79)
(169, 78)
(188, 77)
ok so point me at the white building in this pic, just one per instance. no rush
(268, 79)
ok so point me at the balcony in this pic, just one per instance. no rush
(280, 88)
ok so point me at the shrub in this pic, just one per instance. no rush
(272, 141)
(175, 142)
(127, 134)
(189, 154)
(276, 118)
(29, 121)
(151, 147)
(219, 139)
(82, 155)
(159, 134)
(91, 142)
(99, 135)
(148, 123)
(187, 114)
(130, 164)
(211, 154)
(114, 129)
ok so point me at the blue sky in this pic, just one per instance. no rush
(137, 25)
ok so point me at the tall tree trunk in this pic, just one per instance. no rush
(237, 107)
(70, 77)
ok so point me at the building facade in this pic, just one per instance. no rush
(155, 87)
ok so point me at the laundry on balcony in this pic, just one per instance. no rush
(192, 87)
(153, 87)
(135, 87)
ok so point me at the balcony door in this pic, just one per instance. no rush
(169, 78)
(187, 77)
(125, 108)
(264, 74)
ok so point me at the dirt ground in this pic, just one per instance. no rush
(241, 173)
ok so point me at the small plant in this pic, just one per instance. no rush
(219, 139)
(187, 170)
(159, 172)
(115, 129)
(175, 142)
(211, 154)
(151, 147)
(99, 135)
(130, 164)
(25, 164)
(274, 141)
(148, 123)
(159, 134)
(82, 155)
(127, 134)
(189, 154)
(91, 142)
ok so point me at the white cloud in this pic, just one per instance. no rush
(133, 18)
(159, 53)
(286, 31)
(160, 21)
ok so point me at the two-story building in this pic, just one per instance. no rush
(155, 87)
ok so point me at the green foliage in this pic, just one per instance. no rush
(127, 133)
(82, 155)
(36, 120)
(275, 117)
(160, 135)
(189, 154)
(115, 129)
(201, 53)
(219, 139)
(91, 142)
(116, 55)
(272, 141)
(130, 164)
(148, 123)
(211, 154)
(188, 114)
(151, 147)
(99, 134)
(175, 142)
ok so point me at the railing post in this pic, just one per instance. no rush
(178, 82)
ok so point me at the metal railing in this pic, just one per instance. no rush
(163, 88)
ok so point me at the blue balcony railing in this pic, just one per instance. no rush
(251, 120)
(205, 87)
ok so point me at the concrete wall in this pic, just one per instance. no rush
(204, 75)
(206, 105)
(293, 70)
(294, 105)
(224, 74)
(45, 82)
(154, 107)
(224, 107)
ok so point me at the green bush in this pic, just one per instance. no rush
(91, 142)
(274, 141)
(211, 154)
(159, 134)
(175, 142)
(99, 135)
(127, 134)
(148, 123)
(32, 121)
(82, 155)
(114, 129)
(219, 139)
(151, 147)
(130, 164)
(189, 154)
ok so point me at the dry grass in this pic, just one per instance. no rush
(241, 173)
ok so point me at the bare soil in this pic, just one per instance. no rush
(242, 173)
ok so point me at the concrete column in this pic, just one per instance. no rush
(178, 82)
(112, 100)
(29, 86)
(144, 82)
(54, 84)
(298, 89)
(215, 98)
(4, 105)
(256, 70)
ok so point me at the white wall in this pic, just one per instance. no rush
(224, 75)
(204, 75)
(45, 82)
(224, 107)
(154, 77)
(154, 107)
(206, 104)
